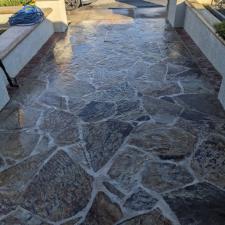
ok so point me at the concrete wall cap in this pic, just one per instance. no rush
(14, 35)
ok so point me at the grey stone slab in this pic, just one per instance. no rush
(139, 69)
(175, 69)
(95, 111)
(22, 217)
(205, 103)
(157, 72)
(110, 187)
(163, 141)
(75, 105)
(208, 161)
(103, 211)
(113, 92)
(78, 153)
(13, 181)
(126, 166)
(128, 110)
(8, 202)
(188, 75)
(61, 125)
(73, 88)
(201, 204)
(157, 88)
(60, 190)
(28, 92)
(72, 221)
(16, 177)
(140, 200)
(102, 76)
(103, 139)
(14, 116)
(154, 217)
(160, 110)
(174, 50)
(198, 87)
(162, 177)
(53, 99)
(18, 145)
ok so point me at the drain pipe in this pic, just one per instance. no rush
(12, 81)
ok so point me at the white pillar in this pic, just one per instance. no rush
(176, 12)
(58, 16)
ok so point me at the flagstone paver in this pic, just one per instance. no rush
(198, 204)
(154, 217)
(140, 200)
(115, 122)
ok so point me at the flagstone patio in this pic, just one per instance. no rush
(116, 122)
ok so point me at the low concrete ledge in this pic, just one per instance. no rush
(14, 35)
(17, 47)
(199, 24)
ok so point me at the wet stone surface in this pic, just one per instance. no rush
(61, 125)
(22, 217)
(205, 103)
(53, 99)
(126, 166)
(161, 111)
(140, 200)
(131, 111)
(95, 111)
(60, 173)
(104, 139)
(162, 177)
(15, 116)
(163, 141)
(209, 160)
(103, 211)
(74, 88)
(113, 189)
(154, 217)
(112, 123)
(13, 181)
(117, 92)
(202, 204)
(18, 145)
(16, 177)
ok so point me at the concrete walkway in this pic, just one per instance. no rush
(116, 122)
